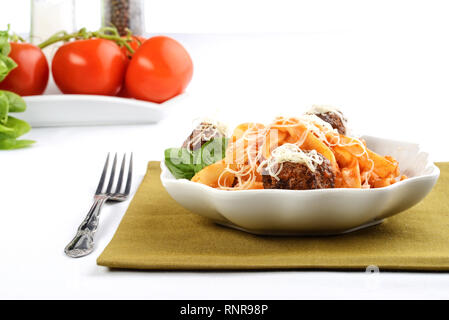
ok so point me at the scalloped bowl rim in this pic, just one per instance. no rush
(167, 177)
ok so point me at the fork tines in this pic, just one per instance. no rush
(118, 188)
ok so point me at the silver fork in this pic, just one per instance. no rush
(83, 243)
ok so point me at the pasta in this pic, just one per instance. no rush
(252, 144)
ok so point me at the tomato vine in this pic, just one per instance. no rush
(108, 33)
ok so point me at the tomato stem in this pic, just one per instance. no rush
(14, 37)
(108, 33)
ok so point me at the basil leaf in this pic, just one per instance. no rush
(5, 46)
(10, 131)
(6, 132)
(4, 70)
(4, 108)
(16, 103)
(20, 127)
(209, 153)
(10, 127)
(184, 164)
(14, 128)
(6, 65)
(10, 144)
(180, 162)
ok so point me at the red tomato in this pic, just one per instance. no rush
(134, 44)
(94, 66)
(124, 93)
(159, 70)
(30, 77)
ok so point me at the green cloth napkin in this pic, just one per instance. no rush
(157, 233)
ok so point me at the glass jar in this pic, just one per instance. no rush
(51, 16)
(124, 14)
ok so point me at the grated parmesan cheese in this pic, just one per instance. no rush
(320, 109)
(289, 152)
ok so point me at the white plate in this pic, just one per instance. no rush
(83, 110)
(312, 212)
(54, 109)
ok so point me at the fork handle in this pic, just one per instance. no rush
(83, 243)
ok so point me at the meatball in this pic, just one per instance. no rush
(298, 176)
(334, 120)
(203, 133)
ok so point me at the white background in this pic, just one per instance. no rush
(235, 16)
(385, 63)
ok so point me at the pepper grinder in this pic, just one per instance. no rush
(124, 14)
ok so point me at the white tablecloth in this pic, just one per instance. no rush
(391, 85)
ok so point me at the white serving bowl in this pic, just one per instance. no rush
(312, 212)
